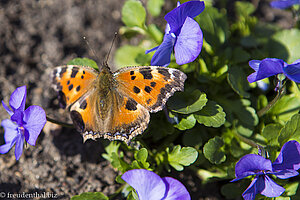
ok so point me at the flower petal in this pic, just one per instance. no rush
(18, 99)
(19, 146)
(292, 71)
(250, 164)
(254, 64)
(284, 174)
(289, 157)
(268, 67)
(6, 147)
(10, 130)
(150, 50)
(269, 188)
(282, 4)
(251, 191)
(175, 190)
(7, 109)
(34, 121)
(177, 16)
(189, 42)
(18, 117)
(147, 184)
(163, 53)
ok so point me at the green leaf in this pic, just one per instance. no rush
(83, 62)
(131, 56)
(271, 131)
(187, 122)
(154, 7)
(213, 151)
(240, 56)
(244, 8)
(290, 45)
(113, 147)
(186, 102)
(211, 115)
(181, 157)
(214, 25)
(291, 131)
(90, 196)
(155, 33)
(141, 157)
(285, 107)
(238, 82)
(133, 13)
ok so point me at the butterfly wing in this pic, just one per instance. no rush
(150, 86)
(72, 82)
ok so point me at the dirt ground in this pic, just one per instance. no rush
(38, 35)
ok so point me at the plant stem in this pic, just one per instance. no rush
(59, 123)
(280, 93)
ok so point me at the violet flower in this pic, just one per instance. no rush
(182, 33)
(149, 186)
(273, 66)
(282, 4)
(23, 124)
(285, 166)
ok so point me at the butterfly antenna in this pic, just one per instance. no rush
(89, 46)
(112, 44)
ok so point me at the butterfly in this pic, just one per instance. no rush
(114, 105)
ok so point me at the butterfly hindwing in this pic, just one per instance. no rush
(150, 86)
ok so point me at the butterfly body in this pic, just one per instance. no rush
(115, 105)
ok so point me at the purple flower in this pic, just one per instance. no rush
(285, 166)
(282, 4)
(23, 124)
(182, 33)
(149, 185)
(273, 66)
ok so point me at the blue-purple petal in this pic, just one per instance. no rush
(284, 174)
(254, 64)
(18, 99)
(289, 157)
(250, 164)
(7, 109)
(17, 117)
(162, 56)
(282, 4)
(175, 190)
(150, 50)
(34, 121)
(189, 42)
(292, 71)
(7, 146)
(147, 184)
(269, 188)
(19, 146)
(10, 130)
(177, 16)
(268, 67)
(251, 191)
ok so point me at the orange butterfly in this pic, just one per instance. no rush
(115, 105)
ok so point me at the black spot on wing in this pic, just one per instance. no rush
(165, 73)
(68, 82)
(153, 84)
(149, 101)
(131, 72)
(63, 70)
(83, 105)
(136, 90)
(131, 105)
(146, 72)
(74, 72)
(77, 121)
(148, 89)
(133, 77)
(70, 87)
(83, 72)
(78, 88)
(82, 77)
